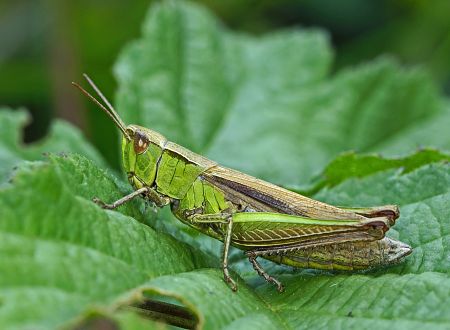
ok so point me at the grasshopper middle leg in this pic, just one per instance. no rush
(226, 219)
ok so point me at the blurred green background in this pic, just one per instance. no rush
(47, 44)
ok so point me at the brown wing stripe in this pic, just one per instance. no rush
(258, 195)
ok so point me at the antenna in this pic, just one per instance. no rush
(109, 111)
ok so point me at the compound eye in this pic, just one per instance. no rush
(140, 142)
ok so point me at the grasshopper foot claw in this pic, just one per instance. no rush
(102, 204)
(273, 280)
(280, 286)
(231, 283)
(227, 278)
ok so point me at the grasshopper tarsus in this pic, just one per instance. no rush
(227, 277)
(232, 284)
(102, 204)
(229, 280)
(261, 272)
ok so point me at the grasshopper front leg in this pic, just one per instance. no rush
(149, 193)
(226, 219)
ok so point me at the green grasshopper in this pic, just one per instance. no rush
(258, 217)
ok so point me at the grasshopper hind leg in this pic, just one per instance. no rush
(261, 272)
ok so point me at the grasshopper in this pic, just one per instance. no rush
(260, 218)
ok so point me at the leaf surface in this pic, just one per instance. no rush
(62, 137)
(61, 253)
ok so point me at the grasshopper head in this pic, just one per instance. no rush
(141, 147)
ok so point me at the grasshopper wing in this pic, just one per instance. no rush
(253, 194)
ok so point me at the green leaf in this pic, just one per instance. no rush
(351, 165)
(62, 254)
(268, 105)
(366, 302)
(432, 131)
(130, 321)
(216, 305)
(126, 320)
(62, 137)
